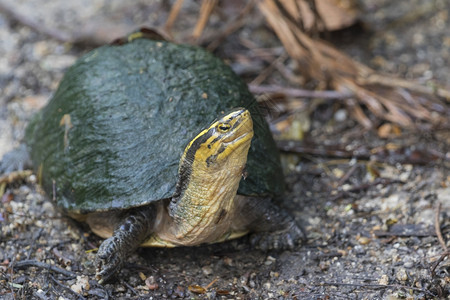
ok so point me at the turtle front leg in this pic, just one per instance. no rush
(271, 226)
(134, 228)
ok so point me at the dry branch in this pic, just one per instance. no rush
(205, 12)
(41, 265)
(383, 95)
(174, 12)
(298, 93)
(437, 227)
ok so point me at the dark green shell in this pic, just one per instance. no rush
(133, 109)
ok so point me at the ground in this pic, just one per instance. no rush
(371, 221)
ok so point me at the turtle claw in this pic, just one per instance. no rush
(108, 260)
(286, 239)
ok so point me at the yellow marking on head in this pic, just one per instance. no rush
(221, 138)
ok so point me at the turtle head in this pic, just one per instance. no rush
(223, 144)
(226, 141)
(210, 171)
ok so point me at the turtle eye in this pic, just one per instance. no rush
(223, 127)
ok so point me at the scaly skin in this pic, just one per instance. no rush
(135, 227)
(271, 226)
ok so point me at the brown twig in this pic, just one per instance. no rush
(130, 287)
(33, 242)
(267, 71)
(441, 258)
(211, 283)
(174, 12)
(63, 260)
(441, 240)
(66, 288)
(54, 190)
(357, 112)
(314, 149)
(347, 175)
(319, 22)
(381, 94)
(379, 286)
(402, 155)
(437, 227)
(298, 93)
(205, 12)
(410, 85)
(365, 186)
(34, 263)
(380, 233)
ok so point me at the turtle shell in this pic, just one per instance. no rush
(113, 133)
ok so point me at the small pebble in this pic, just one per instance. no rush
(340, 115)
(179, 291)
(274, 274)
(41, 49)
(409, 264)
(270, 260)
(324, 266)
(207, 270)
(81, 285)
(32, 178)
(48, 208)
(120, 288)
(40, 293)
(401, 275)
(24, 190)
(384, 280)
(252, 284)
(150, 282)
(359, 249)
(364, 240)
(404, 176)
(228, 261)
(142, 276)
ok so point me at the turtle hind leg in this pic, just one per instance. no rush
(131, 231)
(271, 226)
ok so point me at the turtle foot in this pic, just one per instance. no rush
(109, 260)
(286, 239)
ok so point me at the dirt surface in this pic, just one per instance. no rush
(370, 221)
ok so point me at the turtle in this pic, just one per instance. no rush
(158, 144)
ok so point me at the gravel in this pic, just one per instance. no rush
(377, 240)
